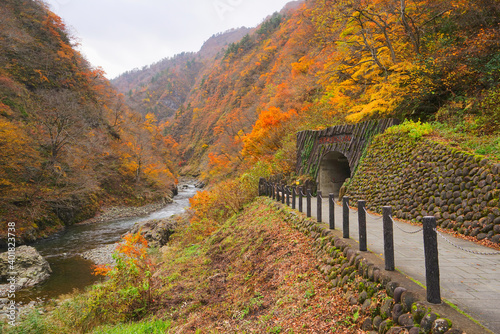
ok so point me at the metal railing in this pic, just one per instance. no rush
(429, 229)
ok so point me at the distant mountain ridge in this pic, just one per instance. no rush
(163, 87)
(219, 41)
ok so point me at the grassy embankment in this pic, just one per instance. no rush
(250, 273)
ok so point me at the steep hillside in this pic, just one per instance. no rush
(321, 62)
(161, 88)
(254, 76)
(69, 144)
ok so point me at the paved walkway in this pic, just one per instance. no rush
(470, 281)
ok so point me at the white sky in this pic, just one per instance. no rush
(120, 35)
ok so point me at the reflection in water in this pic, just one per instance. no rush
(69, 270)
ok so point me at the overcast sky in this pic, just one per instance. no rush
(120, 35)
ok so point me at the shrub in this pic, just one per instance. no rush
(212, 207)
(489, 120)
(129, 289)
(415, 130)
(128, 294)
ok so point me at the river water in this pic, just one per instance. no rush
(69, 270)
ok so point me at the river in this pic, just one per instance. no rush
(69, 270)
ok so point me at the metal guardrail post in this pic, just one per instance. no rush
(331, 204)
(287, 195)
(431, 260)
(319, 207)
(362, 225)
(308, 202)
(300, 200)
(388, 238)
(345, 216)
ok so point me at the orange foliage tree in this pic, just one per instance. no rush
(148, 153)
(17, 157)
(267, 133)
(130, 291)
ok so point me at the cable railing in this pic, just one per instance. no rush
(428, 229)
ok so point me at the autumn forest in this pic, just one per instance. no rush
(69, 143)
(72, 142)
(322, 63)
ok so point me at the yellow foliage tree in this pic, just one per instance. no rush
(375, 45)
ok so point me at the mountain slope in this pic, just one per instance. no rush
(321, 62)
(68, 142)
(163, 87)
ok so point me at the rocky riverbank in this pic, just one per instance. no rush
(121, 212)
(157, 232)
(27, 270)
(102, 255)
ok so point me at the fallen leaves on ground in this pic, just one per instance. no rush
(255, 275)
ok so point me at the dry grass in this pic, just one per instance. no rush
(255, 275)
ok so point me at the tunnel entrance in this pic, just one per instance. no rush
(333, 171)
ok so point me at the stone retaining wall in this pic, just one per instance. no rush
(380, 303)
(419, 177)
(350, 140)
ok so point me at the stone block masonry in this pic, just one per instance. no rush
(349, 140)
(421, 177)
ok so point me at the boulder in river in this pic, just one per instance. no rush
(157, 231)
(29, 266)
(199, 184)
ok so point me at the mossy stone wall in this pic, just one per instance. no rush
(421, 177)
(350, 140)
(379, 302)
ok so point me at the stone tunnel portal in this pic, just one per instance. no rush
(333, 171)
